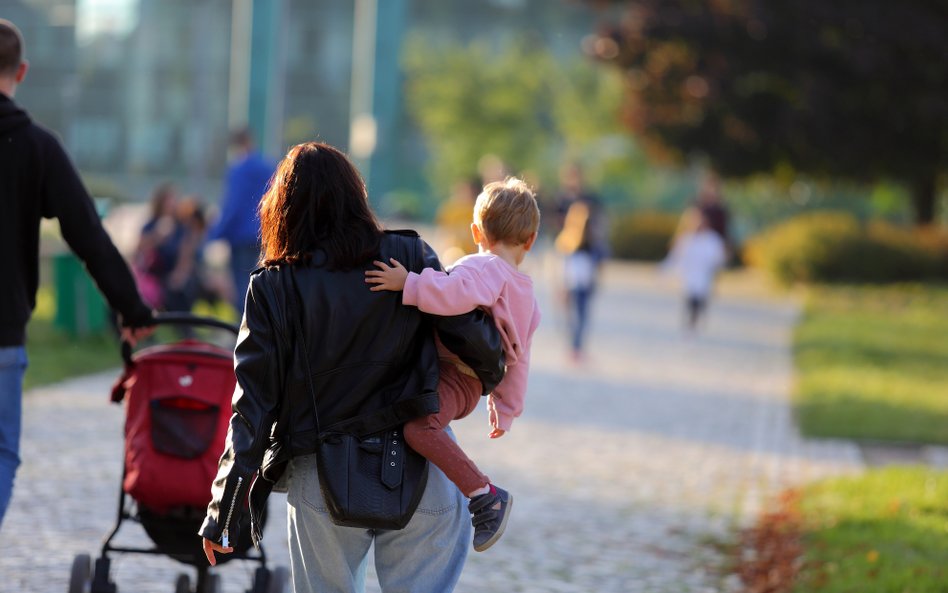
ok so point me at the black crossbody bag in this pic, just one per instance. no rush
(374, 481)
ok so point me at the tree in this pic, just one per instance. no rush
(515, 101)
(852, 89)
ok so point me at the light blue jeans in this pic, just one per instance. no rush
(425, 557)
(12, 367)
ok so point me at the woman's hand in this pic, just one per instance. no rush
(387, 278)
(497, 433)
(211, 547)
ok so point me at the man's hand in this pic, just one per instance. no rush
(211, 547)
(497, 433)
(133, 334)
(138, 328)
(387, 278)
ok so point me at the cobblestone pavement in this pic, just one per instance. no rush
(626, 468)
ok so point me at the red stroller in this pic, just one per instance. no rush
(178, 406)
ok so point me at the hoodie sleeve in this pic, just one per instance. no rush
(65, 199)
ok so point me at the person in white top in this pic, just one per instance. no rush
(697, 256)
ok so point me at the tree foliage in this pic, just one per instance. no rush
(849, 89)
(515, 101)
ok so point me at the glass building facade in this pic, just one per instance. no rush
(149, 99)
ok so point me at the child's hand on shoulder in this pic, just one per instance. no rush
(497, 433)
(387, 277)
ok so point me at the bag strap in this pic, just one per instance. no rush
(301, 350)
(393, 439)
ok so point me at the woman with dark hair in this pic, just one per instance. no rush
(371, 363)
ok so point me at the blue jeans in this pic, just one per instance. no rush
(12, 367)
(578, 316)
(243, 260)
(425, 557)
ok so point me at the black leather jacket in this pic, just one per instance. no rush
(372, 362)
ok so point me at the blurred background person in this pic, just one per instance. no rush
(238, 224)
(185, 282)
(573, 190)
(492, 168)
(582, 244)
(711, 204)
(708, 208)
(454, 220)
(697, 256)
(156, 254)
(579, 274)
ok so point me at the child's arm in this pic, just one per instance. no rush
(506, 401)
(387, 278)
(438, 293)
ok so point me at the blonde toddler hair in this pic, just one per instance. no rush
(507, 211)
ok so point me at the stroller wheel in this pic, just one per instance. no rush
(182, 584)
(80, 580)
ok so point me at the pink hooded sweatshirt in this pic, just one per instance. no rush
(487, 281)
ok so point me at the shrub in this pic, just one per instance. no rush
(644, 235)
(836, 247)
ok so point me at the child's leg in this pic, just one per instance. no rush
(426, 434)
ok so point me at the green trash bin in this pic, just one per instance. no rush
(80, 308)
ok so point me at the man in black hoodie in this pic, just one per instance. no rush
(37, 180)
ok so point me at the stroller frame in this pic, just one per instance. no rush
(93, 577)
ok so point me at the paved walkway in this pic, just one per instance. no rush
(625, 469)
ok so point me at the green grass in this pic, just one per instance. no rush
(885, 531)
(873, 363)
(55, 355)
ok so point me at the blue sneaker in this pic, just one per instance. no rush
(489, 514)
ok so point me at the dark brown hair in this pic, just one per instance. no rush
(11, 47)
(317, 201)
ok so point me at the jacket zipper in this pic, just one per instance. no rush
(230, 513)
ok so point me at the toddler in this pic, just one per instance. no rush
(506, 219)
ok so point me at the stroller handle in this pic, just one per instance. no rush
(181, 318)
(184, 318)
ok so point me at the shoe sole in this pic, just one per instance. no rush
(500, 530)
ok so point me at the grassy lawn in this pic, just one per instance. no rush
(55, 355)
(885, 531)
(873, 363)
